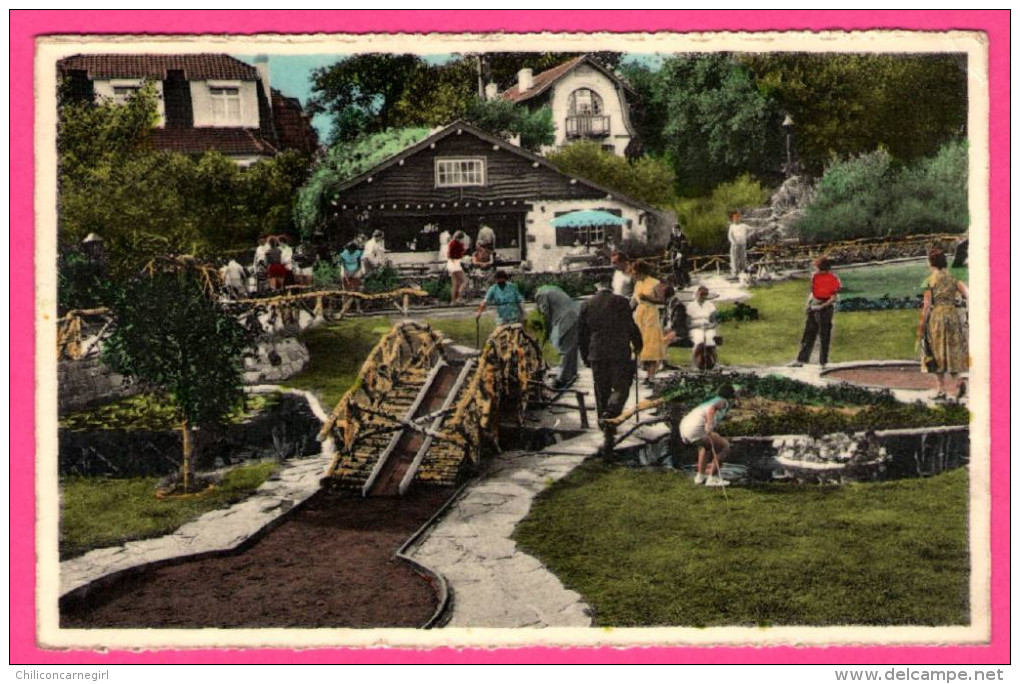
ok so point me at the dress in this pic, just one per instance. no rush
(692, 427)
(646, 315)
(946, 331)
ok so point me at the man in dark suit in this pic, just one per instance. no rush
(609, 341)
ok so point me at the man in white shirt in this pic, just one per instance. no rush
(375, 252)
(738, 244)
(703, 324)
(486, 236)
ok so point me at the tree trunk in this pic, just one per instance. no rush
(188, 451)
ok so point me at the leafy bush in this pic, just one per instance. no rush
(574, 284)
(437, 288)
(800, 420)
(81, 283)
(867, 196)
(738, 312)
(884, 303)
(326, 274)
(385, 279)
(705, 220)
(153, 412)
(647, 179)
(690, 390)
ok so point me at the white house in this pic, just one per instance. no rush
(206, 102)
(588, 102)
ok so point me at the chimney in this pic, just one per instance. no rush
(490, 91)
(524, 80)
(262, 65)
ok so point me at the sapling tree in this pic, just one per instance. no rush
(171, 334)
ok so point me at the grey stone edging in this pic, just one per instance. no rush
(219, 530)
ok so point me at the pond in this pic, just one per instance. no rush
(914, 452)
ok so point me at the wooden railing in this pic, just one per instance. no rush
(587, 126)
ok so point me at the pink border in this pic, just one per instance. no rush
(26, 25)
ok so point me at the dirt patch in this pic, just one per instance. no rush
(894, 377)
(330, 565)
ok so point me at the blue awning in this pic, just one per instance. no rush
(588, 217)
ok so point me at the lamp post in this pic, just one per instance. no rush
(788, 129)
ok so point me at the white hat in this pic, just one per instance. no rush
(92, 237)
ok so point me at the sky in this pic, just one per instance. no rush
(291, 75)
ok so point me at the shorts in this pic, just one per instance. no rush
(705, 336)
(692, 431)
(277, 271)
(454, 266)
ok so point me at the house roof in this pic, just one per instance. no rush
(492, 140)
(229, 141)
(543, 81)
(294, 128)
(197, 67)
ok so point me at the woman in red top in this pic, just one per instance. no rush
(821, 305)
(455, 252)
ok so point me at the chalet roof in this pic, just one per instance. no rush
(464, 127)
(230, 141)
(543, 81)
(197, 67)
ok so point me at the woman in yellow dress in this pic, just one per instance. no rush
(646, 315)
(941, 326)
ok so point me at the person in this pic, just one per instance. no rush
(610, 342)
(941, 327)
(275, 269)
(648, 298)
(623, 284)
(455, 251)
(374, 255)
(561, 314)
(703, 325)
(678, 248)
(486, 236)
(444, 244)
(483, 257)
(676, 319)
(259, 266)
(507, 299)
(350, 266)
(234, 279)
(821, 305)
(738, 244)
(699, 427)
(287, 259)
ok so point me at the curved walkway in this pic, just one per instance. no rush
(217, 530)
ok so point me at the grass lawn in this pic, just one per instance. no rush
(895, 280)
(650, 548)
(775, 338)
(100, 512)
(337, 352)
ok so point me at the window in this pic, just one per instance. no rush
(458, 173)
(121, 93)
(584, 101)
(226, 104)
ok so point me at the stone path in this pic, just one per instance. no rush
(493, 583)
(216, 530)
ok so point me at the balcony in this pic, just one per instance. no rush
(587, 126)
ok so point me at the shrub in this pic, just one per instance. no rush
(705, 219)
(385, 279)
(647, 179)
(867, 196)
(326, 274)
(695, 388)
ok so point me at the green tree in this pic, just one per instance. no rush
(647, 179)
(718, 124)
(363, 92)
(506, 119)
(172, 336)
(850, 104)
(705, 219)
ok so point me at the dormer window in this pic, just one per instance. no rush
(459, 172)
(226, 105)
